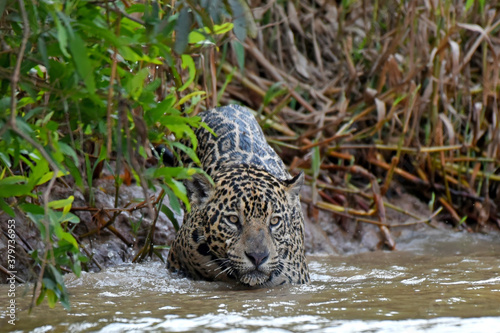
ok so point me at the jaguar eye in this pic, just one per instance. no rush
(233, 219)
(275, 221)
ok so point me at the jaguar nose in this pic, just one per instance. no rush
(257, 258)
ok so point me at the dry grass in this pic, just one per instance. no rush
(371, 93)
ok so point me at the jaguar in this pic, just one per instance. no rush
(246, 225)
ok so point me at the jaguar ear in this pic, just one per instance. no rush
(199, 189)
(294, 185)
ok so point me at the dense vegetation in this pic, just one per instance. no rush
(408, 90)
(364, 96)
(84, 84)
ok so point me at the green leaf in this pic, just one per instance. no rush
(13, 180)
(23, 126)
(67, 237)
(76, 267)
(153, 86)
(135, 85)
(190, 96)
(182, 28)
(128, 53)
(60, 217)
(179, 190)
(201, 36)
(215, 8)
(2, 7)
(188, 62)
(481, 5)
(5, 159)
(38, 170)
(89, 172)
(167, 211)
(62, 36)
(15, 186)
(51, 298)
(163, 108)
(243, 20)
(220, 29)
(136, 8)
(49, 283)
(432, 202)
(67, 150)
(6, 208)
(174, 172)
(188, 151)
(14, 190)
(43, 50)
(196, 37)
(82, 62)
(32, 208)
(172, 199)
(64, 203)
(60, 289)
(41, 297)
(239, 50)
(74, 171)
(468, 5)
(57, 276)
(48, 176)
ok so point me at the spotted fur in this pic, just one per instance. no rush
(248, 226)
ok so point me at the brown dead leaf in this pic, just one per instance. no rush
(381, 111)
(449, 128)
(293, 18)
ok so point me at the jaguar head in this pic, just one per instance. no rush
(244, 223)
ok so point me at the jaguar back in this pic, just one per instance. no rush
(239, 140)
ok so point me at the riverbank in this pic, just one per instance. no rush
(108, 245)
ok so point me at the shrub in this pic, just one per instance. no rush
(84, 83)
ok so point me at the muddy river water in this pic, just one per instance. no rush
(446, 283)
